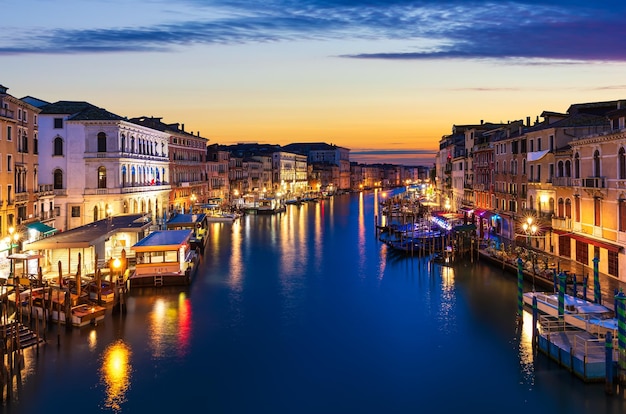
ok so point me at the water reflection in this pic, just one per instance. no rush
(526, 353)
(170, 326)
(116, 374)
(361, 234)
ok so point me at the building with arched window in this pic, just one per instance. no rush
(100, 164)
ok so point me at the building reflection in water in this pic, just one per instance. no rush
(116, 374)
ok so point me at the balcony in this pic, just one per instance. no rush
(591, 182)
(562, 181)
(7, 113)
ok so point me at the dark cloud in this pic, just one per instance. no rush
(526, 30)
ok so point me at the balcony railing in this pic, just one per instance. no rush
(7, 113)
(591, 182)
(562, 181)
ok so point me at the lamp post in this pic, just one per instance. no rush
(530, 229)
(12, 242)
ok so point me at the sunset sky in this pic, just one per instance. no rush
(385, 78)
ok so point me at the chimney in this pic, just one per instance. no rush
(182, 127)
(527, 121)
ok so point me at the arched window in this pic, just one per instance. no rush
(58, 146)
(95, 213)
(133, 176)
(124, 178)
(568, 208)
(596, 163)
(102, 142)
(622, 163)
(568, 168)
(132, 145)
(123, 143)
(58, 179)
(559, 169)
(577, 166)
(102, 177)
(561, 211)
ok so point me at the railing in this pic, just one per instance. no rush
(7, 113)
(21, 197)
(591, 182)
(562, 181)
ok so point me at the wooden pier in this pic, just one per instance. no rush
(580, 352)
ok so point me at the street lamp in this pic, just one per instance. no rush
(530, 229)
(12, 242)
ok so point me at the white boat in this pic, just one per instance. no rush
(581, 313)
(222, 217)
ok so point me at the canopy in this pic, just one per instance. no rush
(41, 228)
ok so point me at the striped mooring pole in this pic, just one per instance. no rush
(562, 286)
(597, 294)
(520, 289)
(620, 299)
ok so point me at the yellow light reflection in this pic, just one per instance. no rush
(93, 340)
(526, 354)
(115, 374)
(236, 270)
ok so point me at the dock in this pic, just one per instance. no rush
(580, 352)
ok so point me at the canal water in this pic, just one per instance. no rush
(307, 312)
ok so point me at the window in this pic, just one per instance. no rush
(9, 133)
(58, 179)
(582, 252)
(538, 144)
(577, 208)
(551, 142)
(559, 169)
(539, 173)
(35, 144)
(565, 246)
(596, 163)
(577, 166)
(561, 208)
(568, 208)
(622, 163)
(613, 264)
(524, 166)
(58, 123)
(102, 177)
(58, 146)
(532, 145)
(621, 214)
(531, 177)
(568, 168)
(597, 205)
(75, 211)
(102, 142)
(9, 163)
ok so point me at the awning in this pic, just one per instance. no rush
(41, 228)
(594, 242)
(485, 214)
(537, 155)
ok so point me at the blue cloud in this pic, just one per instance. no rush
(530, 29)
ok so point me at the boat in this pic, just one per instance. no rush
(51, 302)
(580, 313)
(164, 258)
(222, 217)
(107, 291)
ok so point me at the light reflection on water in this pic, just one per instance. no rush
(116, 374)
(169, 326)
